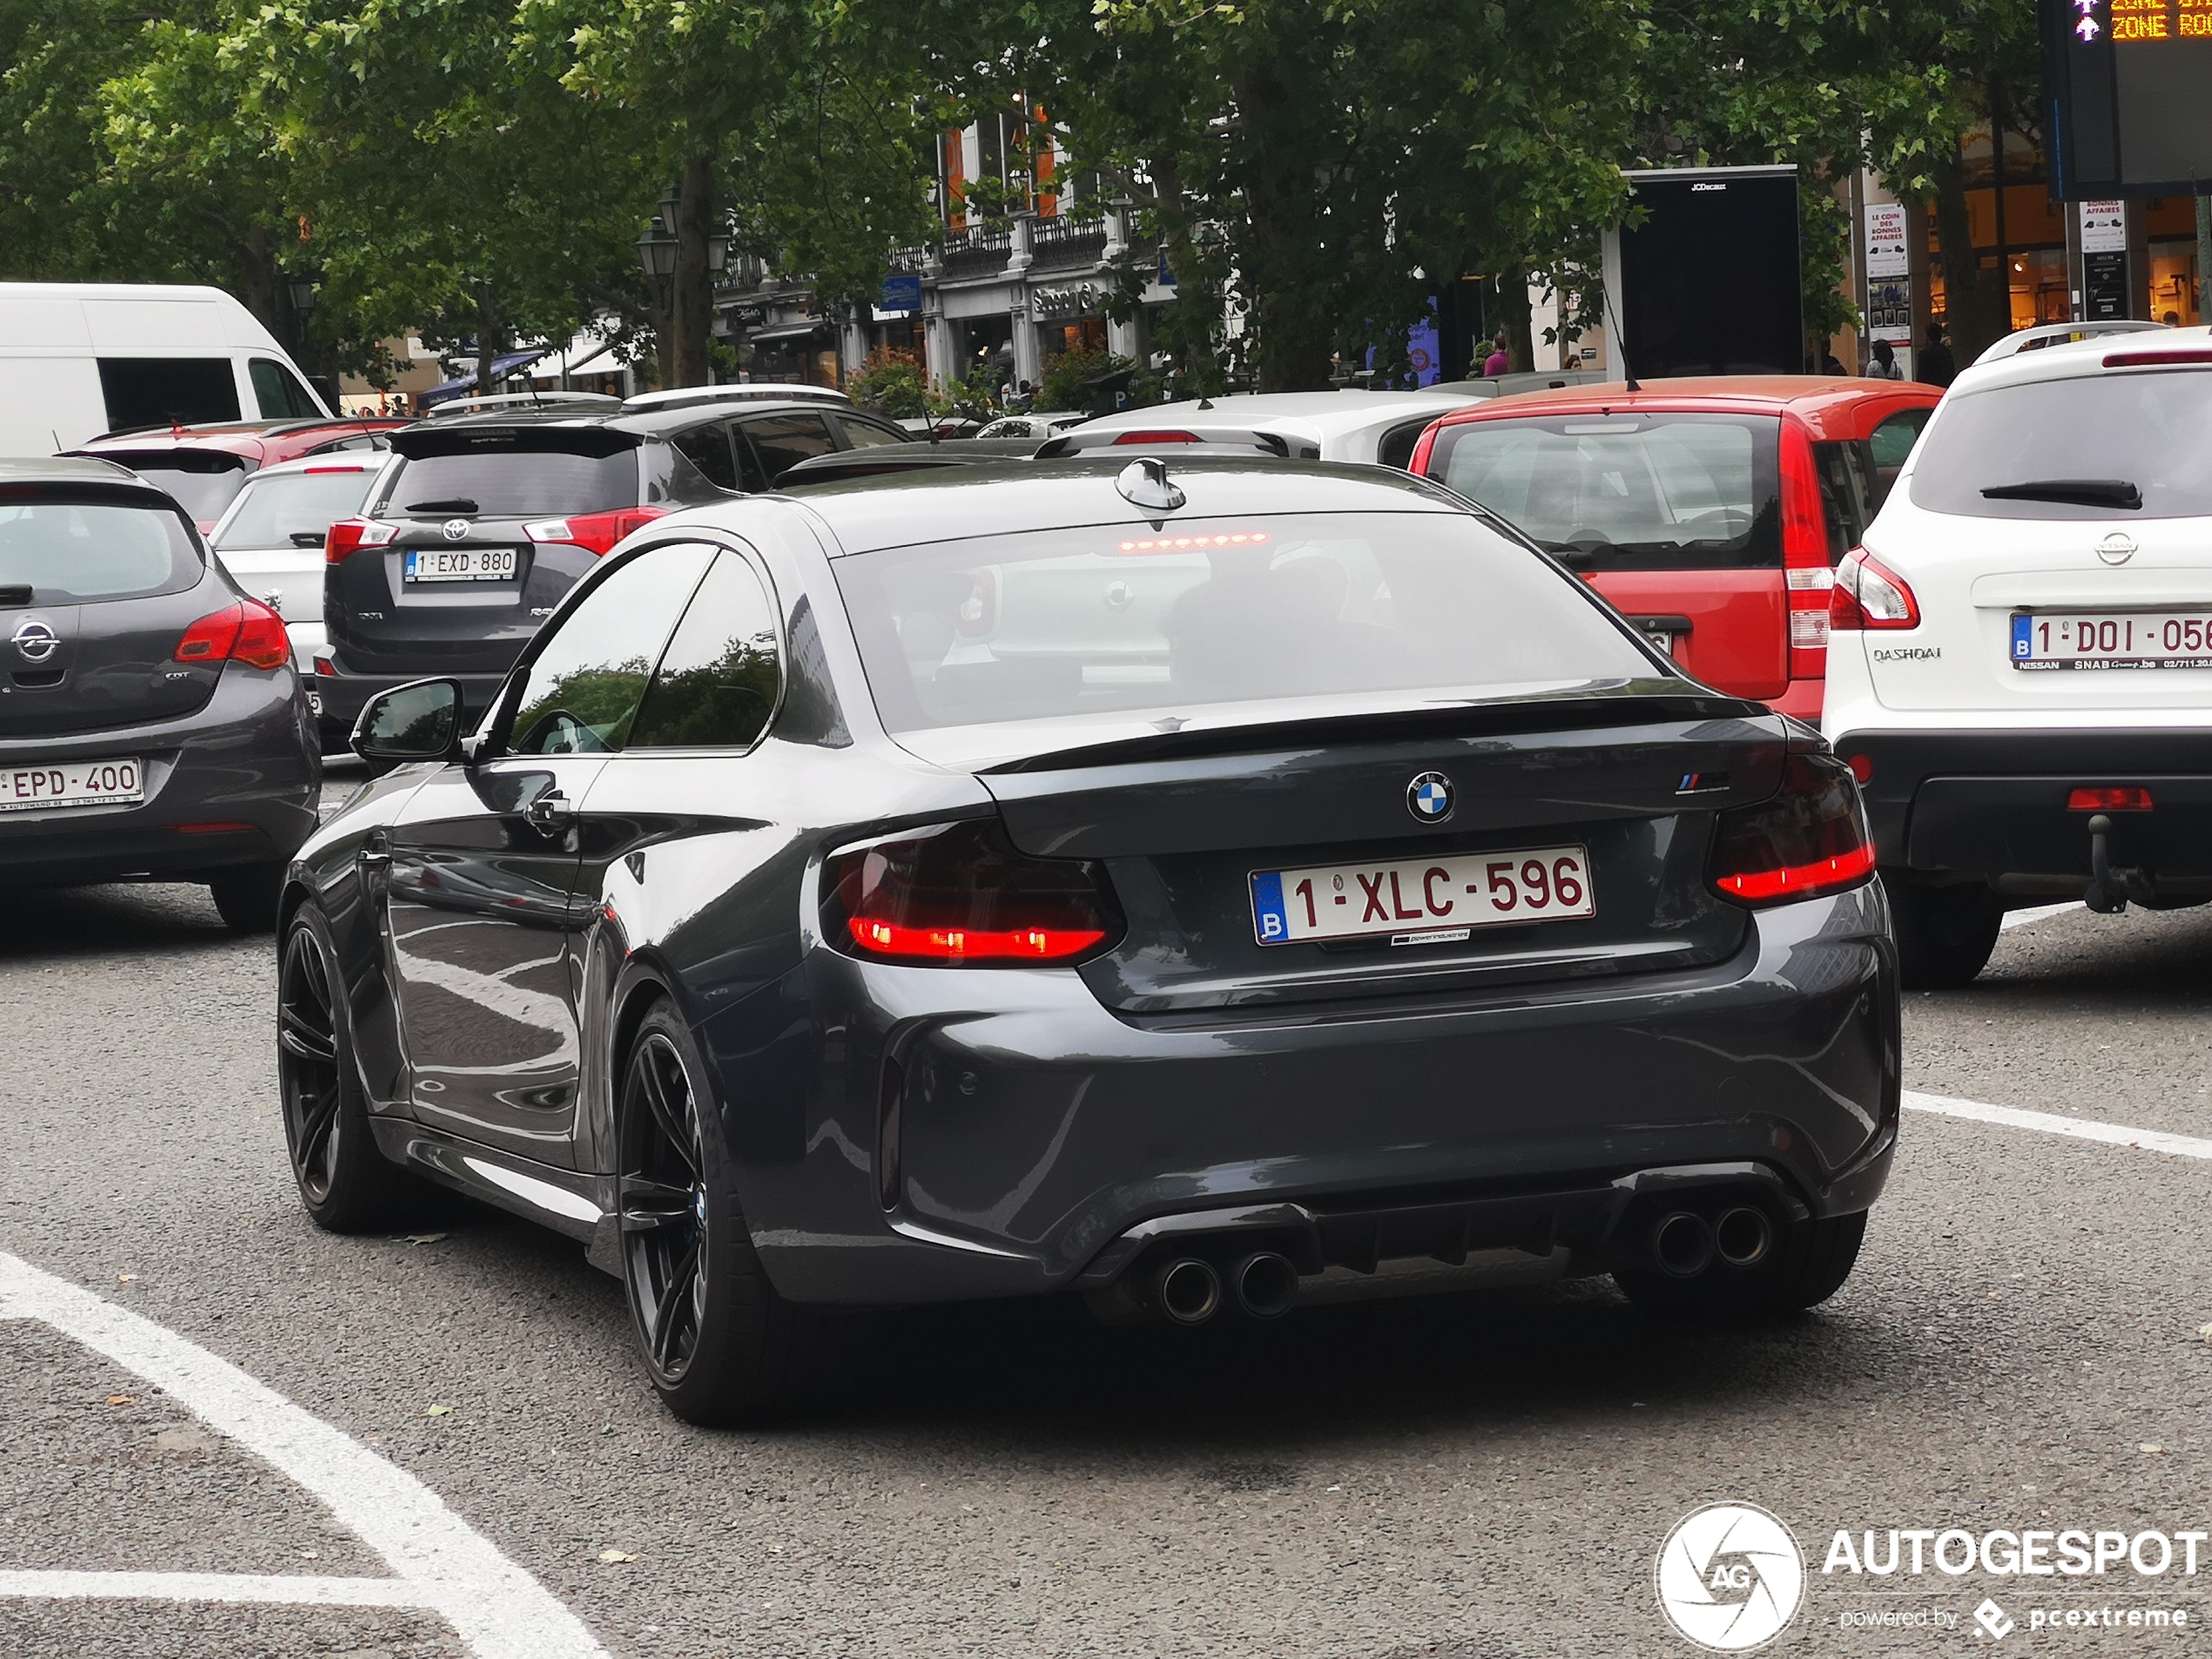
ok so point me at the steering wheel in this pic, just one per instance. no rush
(559, 733)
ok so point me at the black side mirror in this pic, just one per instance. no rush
(419, 721)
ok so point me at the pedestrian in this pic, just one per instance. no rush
(1497, 362)
(1829, 364)
(1937, 366)
(1884, 364)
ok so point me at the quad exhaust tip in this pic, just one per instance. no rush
(1743, 1237)
(1682, 1244)
(1188, 1291)
(1266, 1284)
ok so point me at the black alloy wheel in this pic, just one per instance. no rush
(344, 1182)
(719, 1342)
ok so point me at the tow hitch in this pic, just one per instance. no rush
(2111, 887)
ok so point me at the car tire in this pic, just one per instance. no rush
(720, 1344)
(1808, 1264)
(246, 898)
(1944, 934)
(346, 1184)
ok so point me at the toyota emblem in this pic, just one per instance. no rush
(1429, 798)
(454, 528)
(36, 641)
(2117, 548)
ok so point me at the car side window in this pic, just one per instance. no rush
(1892, 443)
(278, 392)
(583, 685)
(707, 447)
(784, 441)
(865, 434)
(717, 685)
(1396, 448)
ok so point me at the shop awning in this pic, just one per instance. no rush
(790, 330)
(462, 384)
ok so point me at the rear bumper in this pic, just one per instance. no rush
(1032, 1135)
(235, 784)
(1987, 805)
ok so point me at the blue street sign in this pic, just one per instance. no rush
(901, 292)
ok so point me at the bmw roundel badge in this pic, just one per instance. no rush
(1429, 798)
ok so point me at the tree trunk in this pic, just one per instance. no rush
(693, 304)
(487, 341)
(260, 283)
(1970, 303)
(1521, 327)
(1290, 324)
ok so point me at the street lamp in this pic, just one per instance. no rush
(303, 293)
(656, 251)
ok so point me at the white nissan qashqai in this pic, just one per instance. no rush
(2020, 662)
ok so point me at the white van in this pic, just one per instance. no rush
(79, 359)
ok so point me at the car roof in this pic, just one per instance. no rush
(1319, 416)
(2071, 359)
(1815, 398)
(251, 439)
(72, 469)
(951, 503)
(686, 397)
(646, 422)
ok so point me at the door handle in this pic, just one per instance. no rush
(549, 813)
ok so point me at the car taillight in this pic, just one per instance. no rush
(960, 894)
(246, 632)
(349, 536)
(2130, 798)
(1159, 434)
(1809, 839)
(1868, 594)
(597, 532)
(1804, 557)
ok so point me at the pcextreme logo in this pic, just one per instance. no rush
(1730, 1577)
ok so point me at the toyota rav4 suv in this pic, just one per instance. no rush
(2019, 662)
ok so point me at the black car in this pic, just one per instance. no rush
(150, 721)
(487, 520)
(1163, 880)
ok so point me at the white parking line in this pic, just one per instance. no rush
(2021, 918)
(283, 1588)
(500, 1611)
(2080, 1129)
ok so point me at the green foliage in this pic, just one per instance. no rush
(1063, 387)
(892, 383)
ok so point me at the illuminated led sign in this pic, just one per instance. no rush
(2128, 84)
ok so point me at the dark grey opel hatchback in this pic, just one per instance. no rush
(151, 722)
(1176, 881)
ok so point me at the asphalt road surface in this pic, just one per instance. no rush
(468, 1445)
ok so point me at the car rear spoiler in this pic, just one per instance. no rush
(882, 459)
(1179, 435)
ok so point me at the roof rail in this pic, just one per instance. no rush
(578, 401)
(2060, 334)
(683, 397)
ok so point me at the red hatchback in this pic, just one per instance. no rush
(1712, 512)
(202, 468)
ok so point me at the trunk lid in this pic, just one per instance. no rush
(1182, 835)
(1972, 577)
(112, 662)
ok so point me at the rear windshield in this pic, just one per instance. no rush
(1627, 492)
(202, 482)
(2148, 427)
(514, 483)
(293, 509)
(67, 551)
(1420, 607)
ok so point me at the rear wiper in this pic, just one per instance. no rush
(2073, 492)
(457, 504)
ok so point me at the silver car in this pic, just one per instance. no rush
(271, 538)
